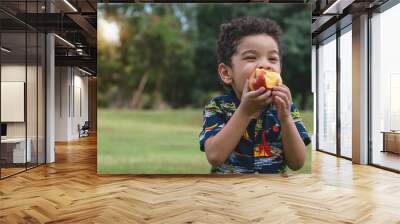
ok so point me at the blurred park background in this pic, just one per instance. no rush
(157, 66)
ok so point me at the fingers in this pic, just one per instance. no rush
(284, 89)
(282, 96)
(256, 93)
(251, 94)
(246, 87)
(288, 92)
(265, 98)
(279, 103)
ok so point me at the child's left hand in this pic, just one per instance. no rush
(283, 101)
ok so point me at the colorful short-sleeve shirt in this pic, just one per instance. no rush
(260, 149)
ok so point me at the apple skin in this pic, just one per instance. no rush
(260, 82)
(263, 78)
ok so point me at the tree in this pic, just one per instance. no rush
(167, 52)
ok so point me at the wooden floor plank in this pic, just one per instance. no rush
(70, 191)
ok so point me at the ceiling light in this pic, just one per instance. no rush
(86, 72)
(65, 41)
(70, 5)
(326, 11)
(5, 50)
(79, 51)
(337, 7)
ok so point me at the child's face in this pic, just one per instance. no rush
(255, 51)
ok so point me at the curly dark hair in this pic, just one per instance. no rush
(232, 32)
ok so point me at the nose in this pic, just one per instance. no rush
(264, 63)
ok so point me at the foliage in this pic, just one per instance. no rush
(175, 45)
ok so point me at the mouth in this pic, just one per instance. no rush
(264, 78)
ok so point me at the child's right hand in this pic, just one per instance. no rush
(253, 101)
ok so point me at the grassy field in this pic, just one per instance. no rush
(156, 142)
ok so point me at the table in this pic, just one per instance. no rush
(391, 141)
(17, 150)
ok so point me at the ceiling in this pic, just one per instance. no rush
(330, 15)
(74, 21)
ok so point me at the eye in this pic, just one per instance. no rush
(250, 58)
(274, 59)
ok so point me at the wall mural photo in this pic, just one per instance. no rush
(204, 88)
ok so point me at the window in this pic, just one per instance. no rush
(327, 95)
(346, 92)
(22, 75)
(385, 88)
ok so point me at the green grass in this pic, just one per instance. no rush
(156, 142)
(307, 117)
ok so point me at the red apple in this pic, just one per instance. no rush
(264, 78)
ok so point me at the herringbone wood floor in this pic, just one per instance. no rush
(70, 191)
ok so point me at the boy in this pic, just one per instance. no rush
(248, 131)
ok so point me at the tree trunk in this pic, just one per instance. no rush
(303, 101)
(138, 93)
(157, 91)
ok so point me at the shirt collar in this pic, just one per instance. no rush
(235, 100)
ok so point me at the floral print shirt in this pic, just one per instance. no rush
(260, 149)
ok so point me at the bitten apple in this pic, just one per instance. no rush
(264, 78)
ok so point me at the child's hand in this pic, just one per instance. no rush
(282, 100)
(253, 101)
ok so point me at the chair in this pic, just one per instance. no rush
(84, 130)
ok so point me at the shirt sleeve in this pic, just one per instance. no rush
(299, 125)
(213, 121)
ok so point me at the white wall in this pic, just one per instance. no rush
(71, 94)
(62, 81)
(16, 73)
(360, 90)
(50, 98)
(12, 101)
(33, 126)
(13, 73)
